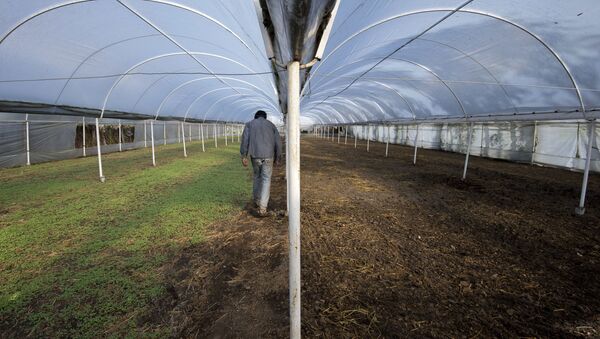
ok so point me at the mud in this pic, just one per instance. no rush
(395, 250)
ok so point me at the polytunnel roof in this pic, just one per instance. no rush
(419, 60)
(432, 60)
(201, 60)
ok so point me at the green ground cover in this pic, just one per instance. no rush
(81, 258)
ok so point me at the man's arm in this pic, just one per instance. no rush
(245, 145)
(277, 144)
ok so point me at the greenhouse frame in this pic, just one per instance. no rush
(513, 80)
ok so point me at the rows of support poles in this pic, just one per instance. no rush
(229, 133)
(331, 132)
(227, 130)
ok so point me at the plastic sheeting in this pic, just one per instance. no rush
(55, 137)
(198, 60)
(449, 60)
(553, 143)
(425, 60)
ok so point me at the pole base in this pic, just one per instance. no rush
(579, 211)
(102, 179)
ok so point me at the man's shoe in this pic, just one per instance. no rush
(262, 212)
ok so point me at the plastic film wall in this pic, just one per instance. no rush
(57, 137)
(552, 143)
(476, 60)
(195, 60)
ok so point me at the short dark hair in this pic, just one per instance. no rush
(260, 114)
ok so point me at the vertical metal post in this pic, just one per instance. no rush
(199, 131)
(368, 136)
(179, 135)
(293, 185)
(83, 135)
(101, 173)
(239, 133)
(225, 133)
(183, 138)
(387, 142)
(27, 148)
(470, 139)
(416, 145)
(145, 133)
(533, 147)
(215, 135)
(580, 210)
(202, 136)
(355, 138)
(190, 132)
(152, 140)
(120, 137)
(345, 135)
(338, 133)
(164, 132)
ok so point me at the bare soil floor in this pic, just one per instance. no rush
(395, 250)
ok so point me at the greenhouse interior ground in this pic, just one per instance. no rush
(439, 178)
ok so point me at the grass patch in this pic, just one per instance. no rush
(82, 258)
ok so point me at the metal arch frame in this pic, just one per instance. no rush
(329, 107)
(249, 104)
(412, 111)
(315, 113)
(489, 15)
(270, 82)
(163, 2)
(227, 97)
(168, 96)
(262, 93)
(429, 71)
(156, 57)
(312, 115)
(395, 92)
(218, 89)
(508, 99)
(439, 79)
(323, 110)
(187, 111)
(344, 99)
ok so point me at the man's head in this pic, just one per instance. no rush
(260, 114)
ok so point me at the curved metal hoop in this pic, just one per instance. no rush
(536, 37)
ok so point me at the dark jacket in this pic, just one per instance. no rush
(261, 140)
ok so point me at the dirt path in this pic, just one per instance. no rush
(395, 250)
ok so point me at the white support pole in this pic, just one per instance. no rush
(202, 136)
(580, 210)
(416, 145)
(145, 133)
(152, 140)
(120, 137)
(216, 143)
(179, 135)
(368, 136)
(355, 138)
(225, 133)
(470, 139)
(345, 135)
(164, 132)
(387, 142)
(83, 135)
(239, 133)
(190, 132)
(338, 133)
(183, 138)
(293, 186)
(28, 149)
(199, 131)
(533, 147)
(101, 173)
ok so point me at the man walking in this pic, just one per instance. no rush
(261, 142)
